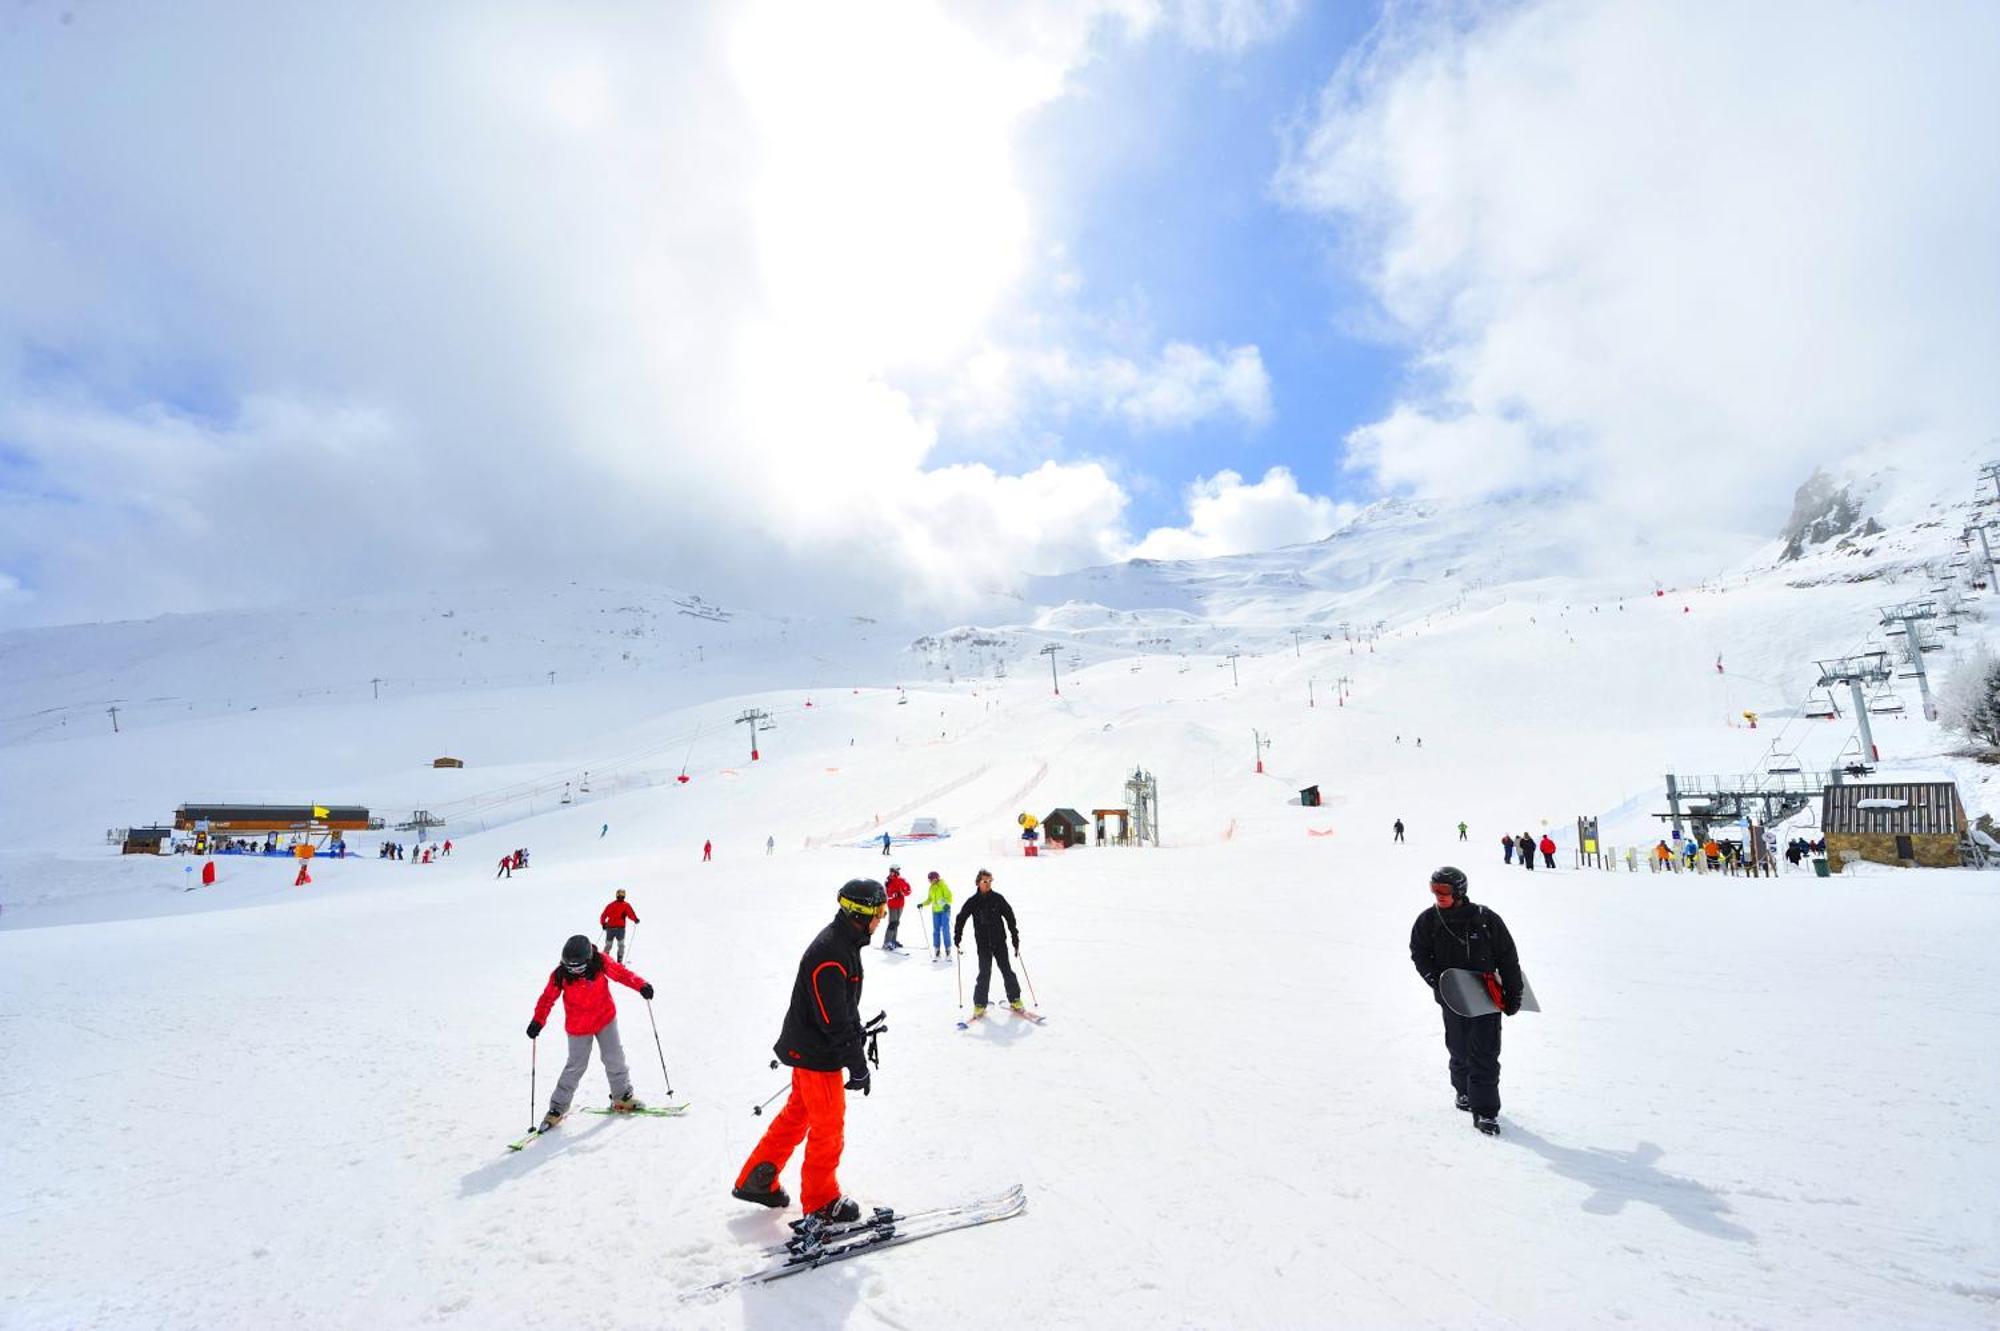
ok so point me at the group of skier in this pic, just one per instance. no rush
(1524, 847)
(823, 1039)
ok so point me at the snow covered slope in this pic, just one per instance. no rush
(1756, 1102)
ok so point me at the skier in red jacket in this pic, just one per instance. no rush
(613, 919)
(588, 1014)
(1548, 849)
(897, 889)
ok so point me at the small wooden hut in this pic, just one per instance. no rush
(1911, 823)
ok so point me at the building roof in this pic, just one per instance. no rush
(1893, 808)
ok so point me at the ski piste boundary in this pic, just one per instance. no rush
(823, 1247)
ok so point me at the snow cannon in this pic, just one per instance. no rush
(1028, 822)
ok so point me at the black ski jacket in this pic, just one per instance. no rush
(1466, 937)
(822, 1030)
(986, 910)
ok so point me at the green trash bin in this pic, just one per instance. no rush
(1820, 867)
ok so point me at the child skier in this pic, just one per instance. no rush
(613, 919)
(588, 1014)
(939, 901)
(897, 889)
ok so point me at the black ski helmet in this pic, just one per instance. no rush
(863, 898)
(621, 894)
(1453, 879)
(576, 954)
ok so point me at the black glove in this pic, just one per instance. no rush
(858, 1080)
(534, 1029)
(958, 941)
(646, 992)
(1513, 1006)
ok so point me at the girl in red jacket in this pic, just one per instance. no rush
(588, 1014)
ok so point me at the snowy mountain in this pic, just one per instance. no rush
(1746, 1100)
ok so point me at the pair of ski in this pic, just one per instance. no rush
(1025, 1014)
(816, 1243)
(651, 1111)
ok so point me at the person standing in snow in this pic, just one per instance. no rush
(1506, 849)
(613, 919)
(1454, 934)
(707, 851)
(992, 920)
(770, 845)
(824, 1043)
(506, 867)
(939, 901)
(582, 981)
(1548, 851)
(1399, 829)
(1461, 831)
(885, 843)
(897, 890)
(1524, 850)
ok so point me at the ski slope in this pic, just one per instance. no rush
(1747, 1102)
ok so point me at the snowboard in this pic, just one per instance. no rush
(1464, 992)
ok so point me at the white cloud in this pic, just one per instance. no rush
(1180, 387)
(491, 289)
(1641, 246)
(1227, 517)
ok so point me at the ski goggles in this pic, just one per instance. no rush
(861, 909)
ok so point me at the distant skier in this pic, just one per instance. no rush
(506, 867)
(604, 831)
(613, 918)
(1524, 846)
(447, 849)
(588, 1014)
(1399, 829)
(707, 851)
(939, 901)
(1548, 851)
(305, 875)
(897, 889)
(885, 843)
(1662, 857)
(821, 1040)
(992, 920)
(1506, 849)
(1461, 831)
(1454, 934)
(770, 845)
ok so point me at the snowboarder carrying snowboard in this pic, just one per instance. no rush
(588, 1014)
(614, 918)
(1455, 934)
(823, 1042)
(939, 901)
(992, 920)
(897, 889)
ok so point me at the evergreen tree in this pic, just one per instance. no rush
(1970, 698)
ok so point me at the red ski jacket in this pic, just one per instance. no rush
(616, 914)
(1548, 846)
(587, 1005)
(898, 890)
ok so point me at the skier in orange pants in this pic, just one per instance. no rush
(825, 1044)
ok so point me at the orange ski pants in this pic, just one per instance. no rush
(816, 1113)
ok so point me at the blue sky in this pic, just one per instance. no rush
(904, 302)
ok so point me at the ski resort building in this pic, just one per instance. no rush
(1066, 827)
(1910, 823)
(238, 819)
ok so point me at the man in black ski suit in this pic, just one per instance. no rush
(987, 910)
(1454, 934)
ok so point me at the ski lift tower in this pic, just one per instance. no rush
(1984, 574)
(1142, 794)
(1854, 671)
(1911, 615)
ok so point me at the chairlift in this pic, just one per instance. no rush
(1886, 705)
(1821, 709)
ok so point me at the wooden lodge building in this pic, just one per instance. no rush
(1910, 823)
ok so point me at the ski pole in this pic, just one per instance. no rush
(533, 1046)
(759, 1109)
(1024, 975)
(961, 971)
(656, 1048)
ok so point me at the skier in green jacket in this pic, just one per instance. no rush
(939, 901)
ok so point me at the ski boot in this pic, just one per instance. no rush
(978, 1011)
(1487, 1124)
(1017, 1006)
(1465, 1102)
(550, 1119)
(626, 1103)
(762, 1188)
(839, 1211)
